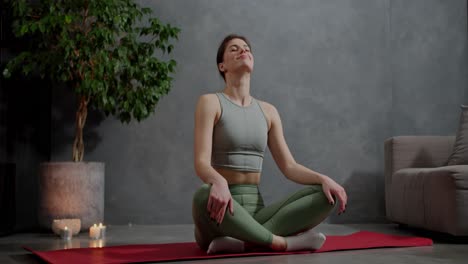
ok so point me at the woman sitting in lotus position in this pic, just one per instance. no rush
(232, 130)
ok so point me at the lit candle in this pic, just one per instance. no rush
(66, 233)
(94, 232)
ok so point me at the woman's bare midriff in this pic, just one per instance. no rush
(239, 177)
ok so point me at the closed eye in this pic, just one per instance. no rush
(236, 48)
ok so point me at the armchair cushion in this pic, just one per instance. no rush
(432, 198)
(459, 155)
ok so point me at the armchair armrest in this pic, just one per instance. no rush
(416, 152)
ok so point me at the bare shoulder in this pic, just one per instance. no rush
(208, 101)
(269, 109)
(208, 98)
(208, 106)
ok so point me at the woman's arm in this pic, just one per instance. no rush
(205, 115)
(290, 168)
(220, 198)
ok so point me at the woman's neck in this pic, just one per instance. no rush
(238, 88)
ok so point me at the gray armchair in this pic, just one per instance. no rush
(420, 191)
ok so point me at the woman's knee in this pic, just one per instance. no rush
(200, 198)
(319, 196)
(311, 189)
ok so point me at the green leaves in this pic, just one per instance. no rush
(103, 49)
(6, 73)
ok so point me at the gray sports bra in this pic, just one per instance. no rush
(240, 136)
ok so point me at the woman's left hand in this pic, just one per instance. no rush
(330, 189)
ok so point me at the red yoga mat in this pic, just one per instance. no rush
(190, 251)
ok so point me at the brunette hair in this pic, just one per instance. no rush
(222, 48)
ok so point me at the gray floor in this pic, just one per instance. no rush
(443, 251)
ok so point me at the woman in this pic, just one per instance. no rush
(232, 130)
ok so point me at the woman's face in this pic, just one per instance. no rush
(237, 56)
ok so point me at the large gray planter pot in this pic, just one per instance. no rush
(71, 190)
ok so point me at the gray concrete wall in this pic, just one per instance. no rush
(24, 135)
(344, 75)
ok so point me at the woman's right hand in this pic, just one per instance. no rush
(220, 199)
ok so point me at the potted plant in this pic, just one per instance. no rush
(105, 52)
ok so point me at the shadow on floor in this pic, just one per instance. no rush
(26, 258)
(437, 237)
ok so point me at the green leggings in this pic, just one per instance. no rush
(255, 223)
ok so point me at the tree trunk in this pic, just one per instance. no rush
(81, 114)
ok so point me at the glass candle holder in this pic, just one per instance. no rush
(66, 233)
